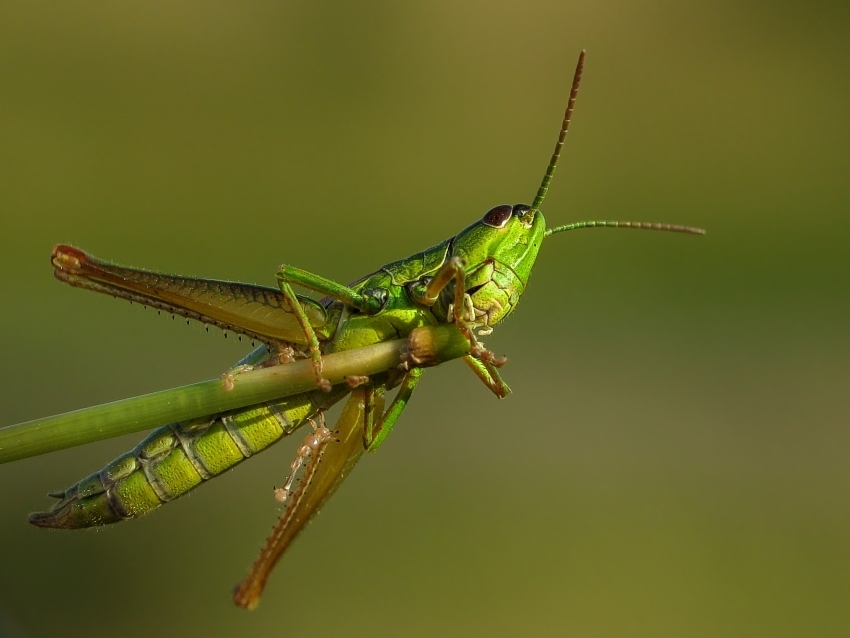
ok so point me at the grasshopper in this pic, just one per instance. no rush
(474, 280)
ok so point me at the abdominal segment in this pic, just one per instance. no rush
(175, 459)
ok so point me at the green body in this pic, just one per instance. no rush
(178, 457)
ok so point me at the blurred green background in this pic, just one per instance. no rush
(674, 458)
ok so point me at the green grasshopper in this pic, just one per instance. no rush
(474, 280)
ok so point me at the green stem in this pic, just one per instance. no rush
(209, 397)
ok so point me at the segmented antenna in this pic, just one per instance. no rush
(672, 228)
(550, 170)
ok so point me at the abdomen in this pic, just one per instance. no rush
(176, 458)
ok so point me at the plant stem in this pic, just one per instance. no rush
(209, 397)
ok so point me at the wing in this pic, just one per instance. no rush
(324, 473)
(257, 312)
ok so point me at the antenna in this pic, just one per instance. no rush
(550, 170)
(671, 228)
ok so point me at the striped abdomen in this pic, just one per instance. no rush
(176, 458)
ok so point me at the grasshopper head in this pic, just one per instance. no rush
(499, 252)
(507, 236)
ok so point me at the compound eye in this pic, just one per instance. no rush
(497, 217)
(520, 210)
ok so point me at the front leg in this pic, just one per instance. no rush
(460, 310)
(482, 361)
(489, 375)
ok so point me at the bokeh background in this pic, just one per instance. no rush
(674, 458)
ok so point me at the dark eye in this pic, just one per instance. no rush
(521, 209)
(498, 217)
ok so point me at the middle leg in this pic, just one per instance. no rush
(377, 429)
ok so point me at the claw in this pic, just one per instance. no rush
(488, 357)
